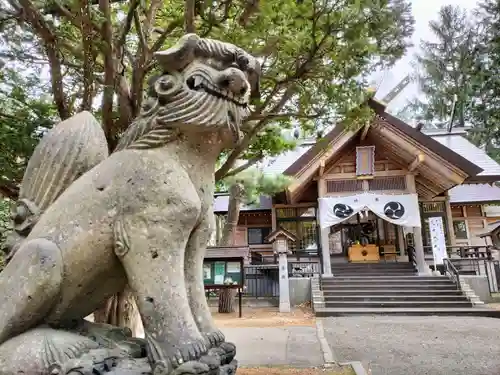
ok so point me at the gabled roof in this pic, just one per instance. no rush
(459, 144)
(436, 147)
(271, 237)
(221, 203)
(490, 229)
(474, 193)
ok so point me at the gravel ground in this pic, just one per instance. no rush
(418, 345)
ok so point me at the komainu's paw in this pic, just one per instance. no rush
(214, 339)
(229, 369)
(161, 368)
(213, 363)
(229, 352)
(189, 352)
(192, 368)
(217, 353)
(161, 355)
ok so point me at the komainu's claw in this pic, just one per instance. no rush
(160, 354)
(160, 368)
(230, 352)
(192, 368)
(213, 363)
(229, 369)
(214, 339)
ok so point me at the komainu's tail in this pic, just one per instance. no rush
(67, 151)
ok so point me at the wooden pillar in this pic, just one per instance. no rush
(449, 219)
(273, 218)
(401, 240)
(422, 267)
(324, 233)
(417, 233)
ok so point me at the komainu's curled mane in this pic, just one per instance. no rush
(189, 97)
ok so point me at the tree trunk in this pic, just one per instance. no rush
(120, 310)
(226, 301)
(233, 214)
(226, 296)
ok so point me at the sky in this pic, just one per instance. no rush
(423, 11)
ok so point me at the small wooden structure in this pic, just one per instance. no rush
(493, 231)
(279, 239)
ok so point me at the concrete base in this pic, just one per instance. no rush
(480, 286)
(285, 307)
(300, 290)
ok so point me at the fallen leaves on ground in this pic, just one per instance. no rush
(266, 317)
(294, 371)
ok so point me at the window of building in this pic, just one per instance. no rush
(256, 236)
(460, 229)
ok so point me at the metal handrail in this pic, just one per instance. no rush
(467, 251)
(450, 268)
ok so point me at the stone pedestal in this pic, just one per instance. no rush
(279, 238)
(284, 284)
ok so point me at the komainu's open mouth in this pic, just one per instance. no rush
(199, 83)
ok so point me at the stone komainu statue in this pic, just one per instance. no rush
(88, 223)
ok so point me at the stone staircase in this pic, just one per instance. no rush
(390, 289)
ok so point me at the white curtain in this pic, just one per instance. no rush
(397, 209)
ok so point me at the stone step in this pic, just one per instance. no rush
(401, 297)
(397, 281)
(374, 274)
(471, 311)
(334, 292)
(385, 286)
(388, 266)
(397, 304)
(373, 264)
(374, 269)
(383, 277)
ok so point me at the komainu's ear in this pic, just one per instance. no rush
(180, 55)
(254, 72)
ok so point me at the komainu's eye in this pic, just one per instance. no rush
(19, 214)
(242, 62)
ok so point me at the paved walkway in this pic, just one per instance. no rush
(293, 346)
(418, 345)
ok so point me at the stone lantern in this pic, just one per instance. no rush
(493, 232)
(279, 239)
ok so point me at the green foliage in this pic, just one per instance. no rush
(4, 224)
(255, 183)
(445, 66)
(24, 115)
(462, 64)
(315, 56)
(484, 109)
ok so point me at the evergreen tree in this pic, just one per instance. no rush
(485, 108)
(444, 68)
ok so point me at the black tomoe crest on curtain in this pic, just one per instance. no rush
(342, 211)
(394, 210)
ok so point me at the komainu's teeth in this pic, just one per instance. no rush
(197, 81)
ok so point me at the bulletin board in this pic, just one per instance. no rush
(217, 271)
